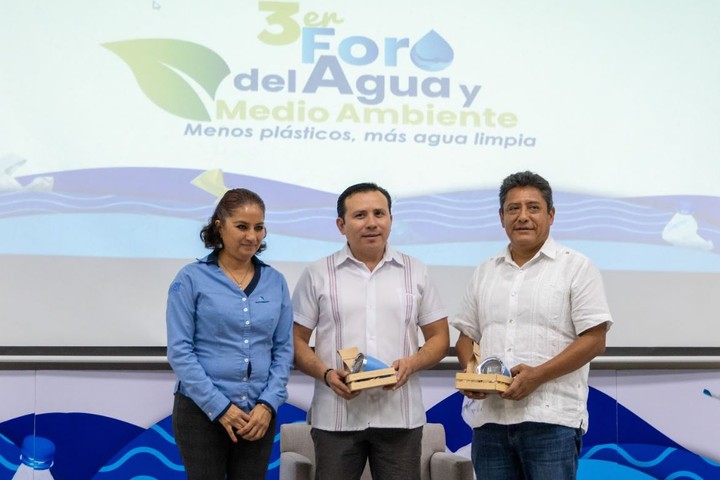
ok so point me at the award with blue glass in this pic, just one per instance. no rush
(365, 371)
(490, 375)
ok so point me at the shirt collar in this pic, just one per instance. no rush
(390, 255)
(212, 257)
(549, 250)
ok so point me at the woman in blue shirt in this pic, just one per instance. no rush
(229, 332)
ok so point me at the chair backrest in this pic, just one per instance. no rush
(433, 441)
(295, 437)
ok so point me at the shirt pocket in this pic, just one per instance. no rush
(553, 303)
(555, 327)
(265, 315)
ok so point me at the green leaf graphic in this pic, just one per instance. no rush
(155, 64)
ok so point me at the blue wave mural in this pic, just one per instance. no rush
(93, 447)
(619, 444)
(83, 441)
(130, 200)
(9, 458)
(304, 212)
(154, 454)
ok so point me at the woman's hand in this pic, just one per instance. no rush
(257, 424)
(234, 420)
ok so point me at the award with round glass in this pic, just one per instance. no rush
(490, 375)
(365, 371)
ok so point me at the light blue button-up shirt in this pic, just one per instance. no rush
(225, 346)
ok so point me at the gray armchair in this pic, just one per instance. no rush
(297, 455)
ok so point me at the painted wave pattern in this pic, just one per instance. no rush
(655, 460)
(464, 216)
(9, 458)
(152, 454)
(655, 457)
(83, 441)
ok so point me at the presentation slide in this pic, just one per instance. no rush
(123, 122)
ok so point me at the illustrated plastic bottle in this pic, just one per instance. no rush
(36, 457)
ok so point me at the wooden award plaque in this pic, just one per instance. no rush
(365, 380)
(480, 382)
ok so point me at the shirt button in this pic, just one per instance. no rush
(247, 322)
(244, 299)
(247, 360)
(509, 349)
(245, 309)
(244, 397)
(246, 341)
(511, 320)
(244, 379)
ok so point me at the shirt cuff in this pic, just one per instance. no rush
(222, 413)
(272, 410)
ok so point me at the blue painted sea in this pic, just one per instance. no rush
(158, 213)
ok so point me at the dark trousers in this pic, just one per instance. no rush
(207, 451)
(393, 453)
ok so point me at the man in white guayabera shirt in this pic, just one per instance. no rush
(370, 296)
(541, 308)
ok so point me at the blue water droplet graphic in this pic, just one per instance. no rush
(432, 52)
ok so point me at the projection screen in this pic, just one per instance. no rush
(123, 122)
